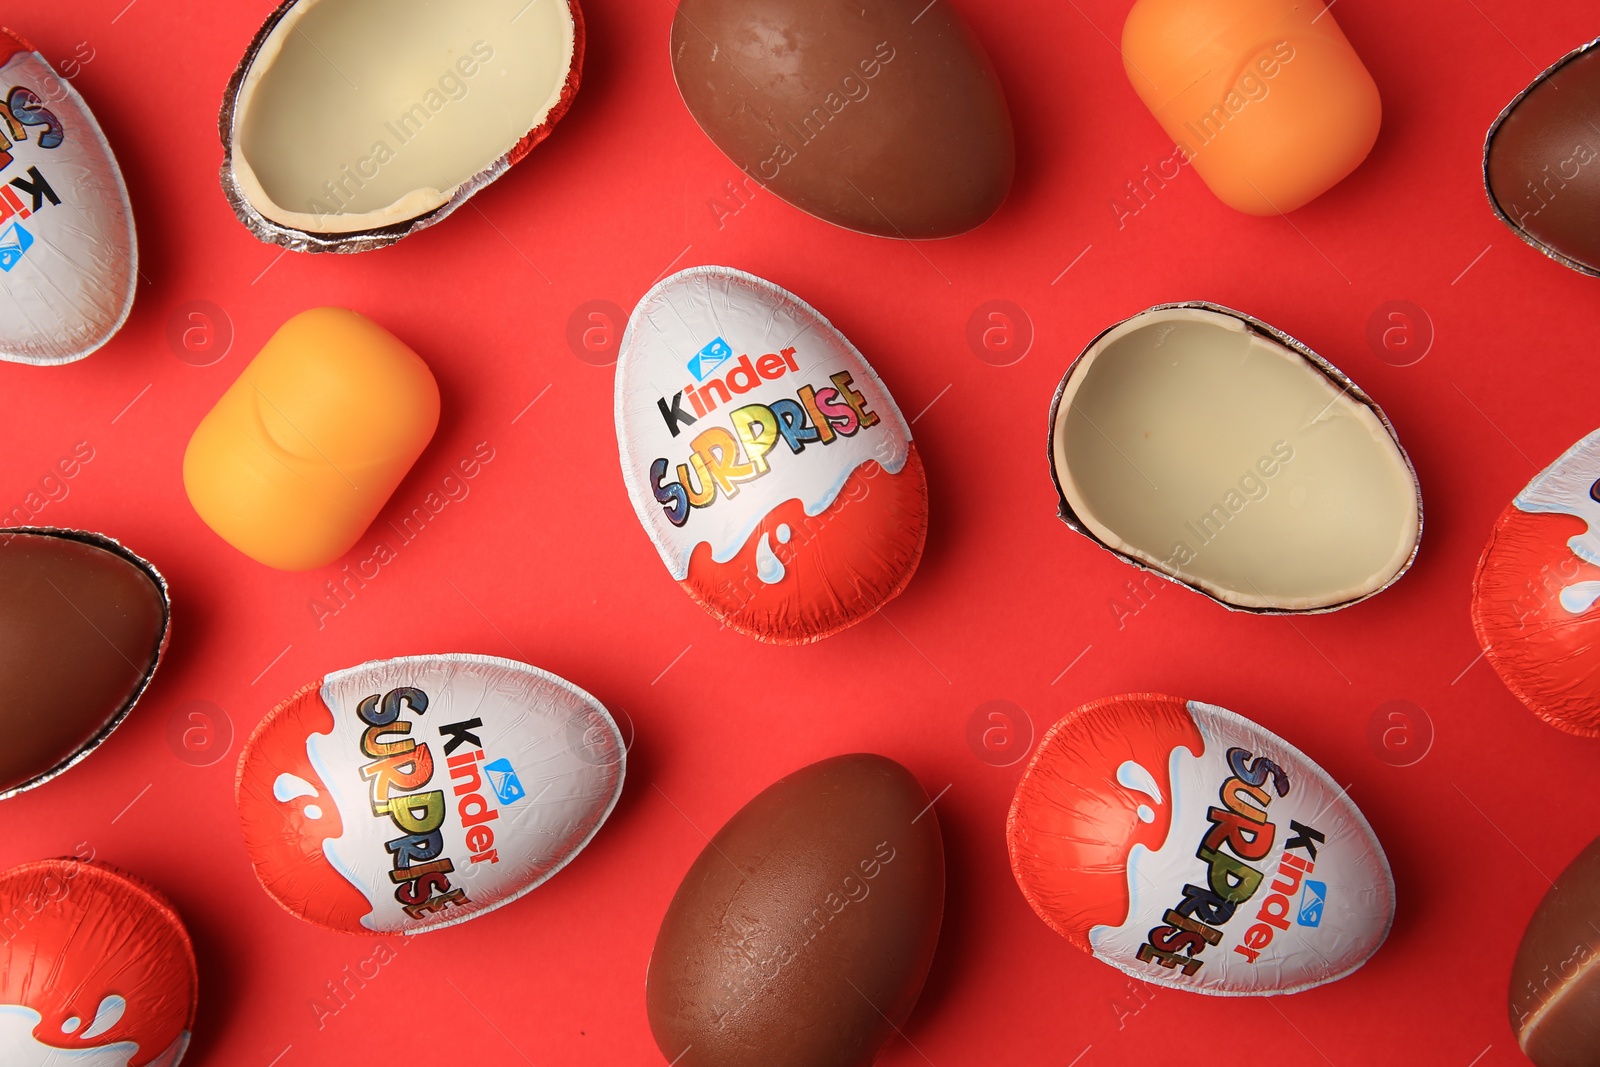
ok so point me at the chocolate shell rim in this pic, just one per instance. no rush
(116, 548)
(1349, 388)
(500, 662)
(1233, 718)
(353, 241)
(103, 144)
(1529, 239)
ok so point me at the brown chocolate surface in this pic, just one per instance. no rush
(802, 934)
(1555, 981)
(80, 629)
(867, 116)
(1543, 161)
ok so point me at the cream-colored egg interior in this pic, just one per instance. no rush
(1223, 458)
(372, 111)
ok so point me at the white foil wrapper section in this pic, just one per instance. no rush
(68, 254)
(746, 425)
(409, 794)
(1197, 850)
(1568, 487)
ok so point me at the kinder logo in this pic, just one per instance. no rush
(705, 362)
(721, 460)
(504, 781)
(712, 392)
(14, 244)
(467, 772)
(24, 195)
(1311, 903)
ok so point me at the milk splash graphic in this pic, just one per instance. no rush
(1135, 776)
(1569, 486)
(20, 1048)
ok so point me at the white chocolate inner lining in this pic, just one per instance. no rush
(363, 113)
(1220, 457)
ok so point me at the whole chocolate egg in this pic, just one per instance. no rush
(408, 794)
(1189, 847)
(884, 118)
(96, 969)
(1555, 986)
(1541, 162)
(1535, 591)
(83, 623)
(803, 932)
(765, 458)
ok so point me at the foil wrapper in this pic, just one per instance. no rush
(410, 794)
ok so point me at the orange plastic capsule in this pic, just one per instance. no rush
(1266, 98)
(304, 449)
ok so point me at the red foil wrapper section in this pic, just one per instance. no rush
(93, 961)
(1534, 595)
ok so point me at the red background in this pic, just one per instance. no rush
(545, 560)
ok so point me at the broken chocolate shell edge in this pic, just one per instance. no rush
(1064, 509)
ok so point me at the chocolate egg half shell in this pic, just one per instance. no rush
(766, 460)
(1541, 162)
(96, 969)
(884, 118)
(1189, 847)
(83, 624)
(352, 123)
(1555, 986)
(1534, 594)
(68, 252)
(1204, 445)
(803, 932)
(409, 794)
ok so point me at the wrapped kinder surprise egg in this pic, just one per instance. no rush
(68, 253)
(766, 460)
(1188, 847)
(1534, 594)
(96, 969)
(408, 794)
